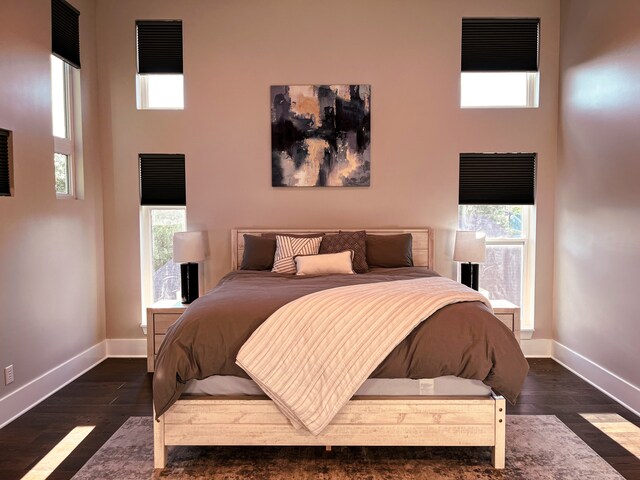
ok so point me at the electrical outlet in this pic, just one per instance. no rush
(8, 374)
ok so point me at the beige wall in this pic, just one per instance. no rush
(598, 199)
(409, 51)
(51, 253)
(54, 279)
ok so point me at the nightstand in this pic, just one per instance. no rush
(160, 316)
(509, 314)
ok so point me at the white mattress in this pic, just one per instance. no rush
(448, 385)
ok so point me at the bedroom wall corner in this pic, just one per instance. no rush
(598, 201)
(51, 255)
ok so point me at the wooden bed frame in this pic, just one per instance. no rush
(364, 421)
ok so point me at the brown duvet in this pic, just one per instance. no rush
(462, 339)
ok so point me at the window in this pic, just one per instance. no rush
(497, 196)
(162, 213)
(499, 89)
(65, 49)
(160, 92)
(63, 138)
(5, 163)
(507, 271)
(499, 66)
(160, 276)
(160, 82)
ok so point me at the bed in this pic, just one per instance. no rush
(377, 419)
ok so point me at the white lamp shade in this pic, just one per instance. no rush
(470, 247)
(188, 247)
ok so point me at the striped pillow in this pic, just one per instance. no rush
(289, 247)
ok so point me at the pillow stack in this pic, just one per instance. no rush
(294, 254)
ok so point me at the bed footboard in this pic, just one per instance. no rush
(364, 421)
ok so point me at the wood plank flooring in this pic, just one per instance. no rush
(119, 388)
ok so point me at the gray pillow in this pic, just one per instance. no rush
(258, 253)
(389, 251)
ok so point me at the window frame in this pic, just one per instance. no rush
(67, 145)
(146, 255)
(159, 51)
(527, 241)
(502, 45)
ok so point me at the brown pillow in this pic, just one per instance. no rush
(356, 241)
(258, 253)
(389, 250)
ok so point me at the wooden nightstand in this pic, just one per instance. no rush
(160, 316)
(509, 314)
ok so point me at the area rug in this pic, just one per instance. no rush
(538, 447)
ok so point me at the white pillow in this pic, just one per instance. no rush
(325, 263)
(289, 247)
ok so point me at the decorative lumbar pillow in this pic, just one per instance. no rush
(258, 253)
(289, 247)
(390, 250)
(325, 264)
(356, 241)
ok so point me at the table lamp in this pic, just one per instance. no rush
(470, 249)
(188, 249)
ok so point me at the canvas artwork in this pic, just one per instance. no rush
(320, 135)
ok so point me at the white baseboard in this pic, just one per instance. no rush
(29, 395)
(537, 347)
(127, 347)
(607, 382)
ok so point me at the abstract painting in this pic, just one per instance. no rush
(320, 135)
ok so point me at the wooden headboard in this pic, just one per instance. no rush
(422, 241)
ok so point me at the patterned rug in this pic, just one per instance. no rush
(538, 447)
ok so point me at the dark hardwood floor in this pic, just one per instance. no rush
(106, 396)
(119, 388)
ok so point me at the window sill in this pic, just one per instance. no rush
(143, 326)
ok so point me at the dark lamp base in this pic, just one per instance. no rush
(189, 279)
(470, 274)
